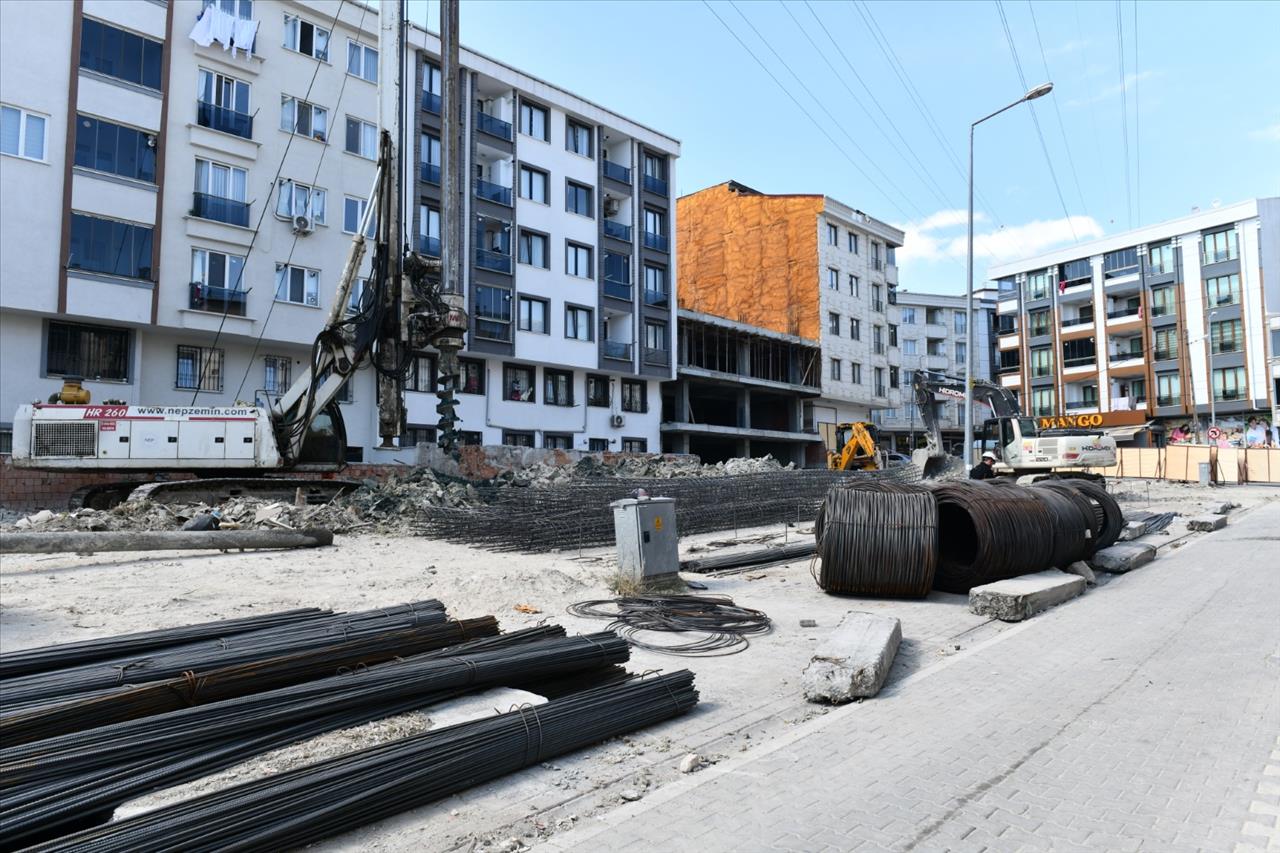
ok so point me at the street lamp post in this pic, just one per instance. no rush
(1038, 92)
(1213, 420)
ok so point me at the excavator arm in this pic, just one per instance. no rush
(933, 458)
(859, 448)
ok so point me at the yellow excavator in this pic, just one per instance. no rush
(859, 448)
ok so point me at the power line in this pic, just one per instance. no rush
(1137, 119)
(1124, 112)
(1036, 120)
(1071, 160)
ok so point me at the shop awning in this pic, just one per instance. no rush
(1127, 433)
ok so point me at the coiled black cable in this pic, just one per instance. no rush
(725, 625)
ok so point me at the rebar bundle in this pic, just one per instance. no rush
(878, 539)
(988, 533)
(744, 560)
(724, 626)
(41, 687)
(576, 514)
(311, 803)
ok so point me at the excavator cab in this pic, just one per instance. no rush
(858, 448)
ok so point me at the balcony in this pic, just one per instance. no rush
(618, 173)
(429, 245)
(486, 123)
(655, 241)
(1217, 256)
(431, 102)
(877, 264)
(656, 356)
(493, 192)
(496, 261)
(220, 209)
(1134, 312)
(1072, 322)
(1228, 395)
(655, 185)
(1076, 405)
(878, 349)
(617, 350)
(1169, 400)
(1080, 361)
(1164, 354)
(617, 230)
(658, 298)
(429, 172)
(881, 392)
(498, 329)
(224, 119)
(877, 305)
(220, 300)
(617, 289)
(1008, 368)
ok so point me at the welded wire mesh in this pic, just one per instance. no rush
(878, 539)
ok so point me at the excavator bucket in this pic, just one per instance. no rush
(940, 466)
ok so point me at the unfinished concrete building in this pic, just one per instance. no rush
(741, 390)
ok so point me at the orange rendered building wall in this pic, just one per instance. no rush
(751, 258)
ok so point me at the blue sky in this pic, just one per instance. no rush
(1202, 98)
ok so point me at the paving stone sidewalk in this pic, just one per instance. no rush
(1141, 716)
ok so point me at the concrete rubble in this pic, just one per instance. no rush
(854, 661)
(1207, 523)
(1019, 598)
(1119, 559)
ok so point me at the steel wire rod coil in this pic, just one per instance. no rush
(1075, 526)
(725, 625)
(989, 533)
(1105, 506)
(878, 539)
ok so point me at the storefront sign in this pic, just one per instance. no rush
(1093, 420)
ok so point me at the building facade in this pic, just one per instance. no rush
(1161, 328)
(801, 265)
(187, 206)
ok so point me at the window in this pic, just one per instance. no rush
(598, 392)
(855, 372)
(833, 322)
(877, 339)
(276, 378)
(557, 387)
(577, 199)
(557, 441)
(1162, 302)
(415, 434)
(294, 199)
(533, 121)
(961, 351)
(598, 445)
(1042, 361)
(1074, 272)
(1226, 336)
(577, 323)
(99, 353)
(224, 104)
(429, 230)
(833, 235)
(909, 347)
(577, 260)
(431, 89)
(493, 313)
(470, 438)
(635, 396)
(471, 376)
(1038, 323)
(1042, 401)
(833, 278)
(533, 316)
(242, 9)
(306, 37)
(422, 374)
(855, 328)
(534, 249)
(298, 285)
(110, 247)
(893, 377)
(431, 159)
(855, 285)
(835, 369)
(877, 304)
(1038, 285)
(1168, 388)
(533, 185)
(1161, 259)
(517, 439)
(353, 210)
(362, 61)
(1120, 262)
(635, 445)
(119, 54)
(908, 316)
(1220, 246)
(893, 335)
(961, 322)
(101, 146)
(655, 335)
(362, 138)
(305, 119)
(1223, 290)
(216, 269)
(853, 242)
(879, 389)
(6, 440)
(199, 369)
(22, 135)
(517, 382)
(655, 221)
(577, 138)
(1165, 344)
(655, 173)
(1078, 352)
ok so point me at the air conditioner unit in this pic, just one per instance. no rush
(303, 225)
(611, 205)
(617, 421)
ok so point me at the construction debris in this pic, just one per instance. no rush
(1015, 599)
(855, 660)
(1142, 523)
(1119, 559)
(1207, 523)
(73, 542)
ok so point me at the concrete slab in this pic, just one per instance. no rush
(1225, 508)
(1133, 530)
(1081, 568)
(1207, 523)
(854, 661)
(1019, 598)
(1119, 559)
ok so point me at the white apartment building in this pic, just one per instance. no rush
(177, 215)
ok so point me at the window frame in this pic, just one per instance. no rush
(570, 125)
(594, 381)
(24, 117)
(634, 392)
(525, 318)
(362, 205)
(836, 370)
(293, 103)
(534, 107)
(465, 368)
(574, 189)
(363, 50)
(362, 125)
(227, 266)
(1213, 290)
(281, 366)
(145, 45)
(287, 280)
(526, 258)
(123, 344)
(136, 231)
(833, 235)
(309, 211)
(143, 153)
(574, 249)
(575, 321)
(525, 168)
(509, 377)
(479, 317)
(204, 357)
(559, 377)
(323, 56)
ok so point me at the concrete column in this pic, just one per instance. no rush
(682, 401)
(744, 407)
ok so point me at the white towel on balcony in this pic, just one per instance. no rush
(245, 33)
(202, 32)
(224, 26)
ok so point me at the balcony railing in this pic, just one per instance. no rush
(430, 172)
(617, 289)
(222, 300)
(1169, 400)
(616, 349)
(1164, 354)
(1225, 346)
(1164, 311)
(618, 173)
(617, 229)
(658, 298)
(877, 305)
(486, 123)
(494, 330)
(1229, 394)
(1069, 322)
(1080, 361)
(1072, 405)
(493, 192)
(1219, 255)
(1041, 372)
(656, 356)
(881, 392)
(429, 245)
(431, 102)
(878, 348)
(220, 209)
(1042, 411)
(497, 261)
(224, 119)
(1123, 312)
(655, 185)
(1008, 368)
(655, 241)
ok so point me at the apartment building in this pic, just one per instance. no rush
(807, 266)
(1150, 331)
(741, 391)
(929, 332)
(190, 183)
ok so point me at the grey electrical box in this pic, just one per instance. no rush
(645, 529)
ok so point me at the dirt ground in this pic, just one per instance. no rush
(746, 699)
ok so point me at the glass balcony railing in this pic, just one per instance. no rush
(655, 241)
(221, 300)
(431, 102)
(220, 209)
(616, 349)
(493, 192)
(1079, 361)
(429, 245)
(1164, 354)
(659, 298)
(1068, 322)
(618, 173)
(1168, 400)
(655, 185)
(617, 229)
(1072, 405)
(494, 330)
(617, 289)
(656, 356)
(1124, 312)
(486, 123)
(224, 119)
(429, 172)
(496, 261)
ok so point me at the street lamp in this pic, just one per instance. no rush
(1213, 420)
(1038, 92)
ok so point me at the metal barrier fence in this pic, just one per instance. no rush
(1181, 462)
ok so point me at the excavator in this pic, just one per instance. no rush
(411, 302)
(859, 448)
(1020, 447)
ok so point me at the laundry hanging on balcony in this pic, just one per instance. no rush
(234, 34)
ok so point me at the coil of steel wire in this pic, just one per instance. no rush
(878, 539)
(988, 533)
(724, 625)
(1105, 506)
(1075, 526)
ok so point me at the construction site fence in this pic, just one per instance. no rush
(576, 513)
(1181, 463)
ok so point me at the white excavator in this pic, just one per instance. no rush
(412, 302)
(1021, 449)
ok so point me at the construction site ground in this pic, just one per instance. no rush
(750, 701)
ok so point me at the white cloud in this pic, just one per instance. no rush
(924, 245)
(1112, 91)
(1269, 134)
(948, 218)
